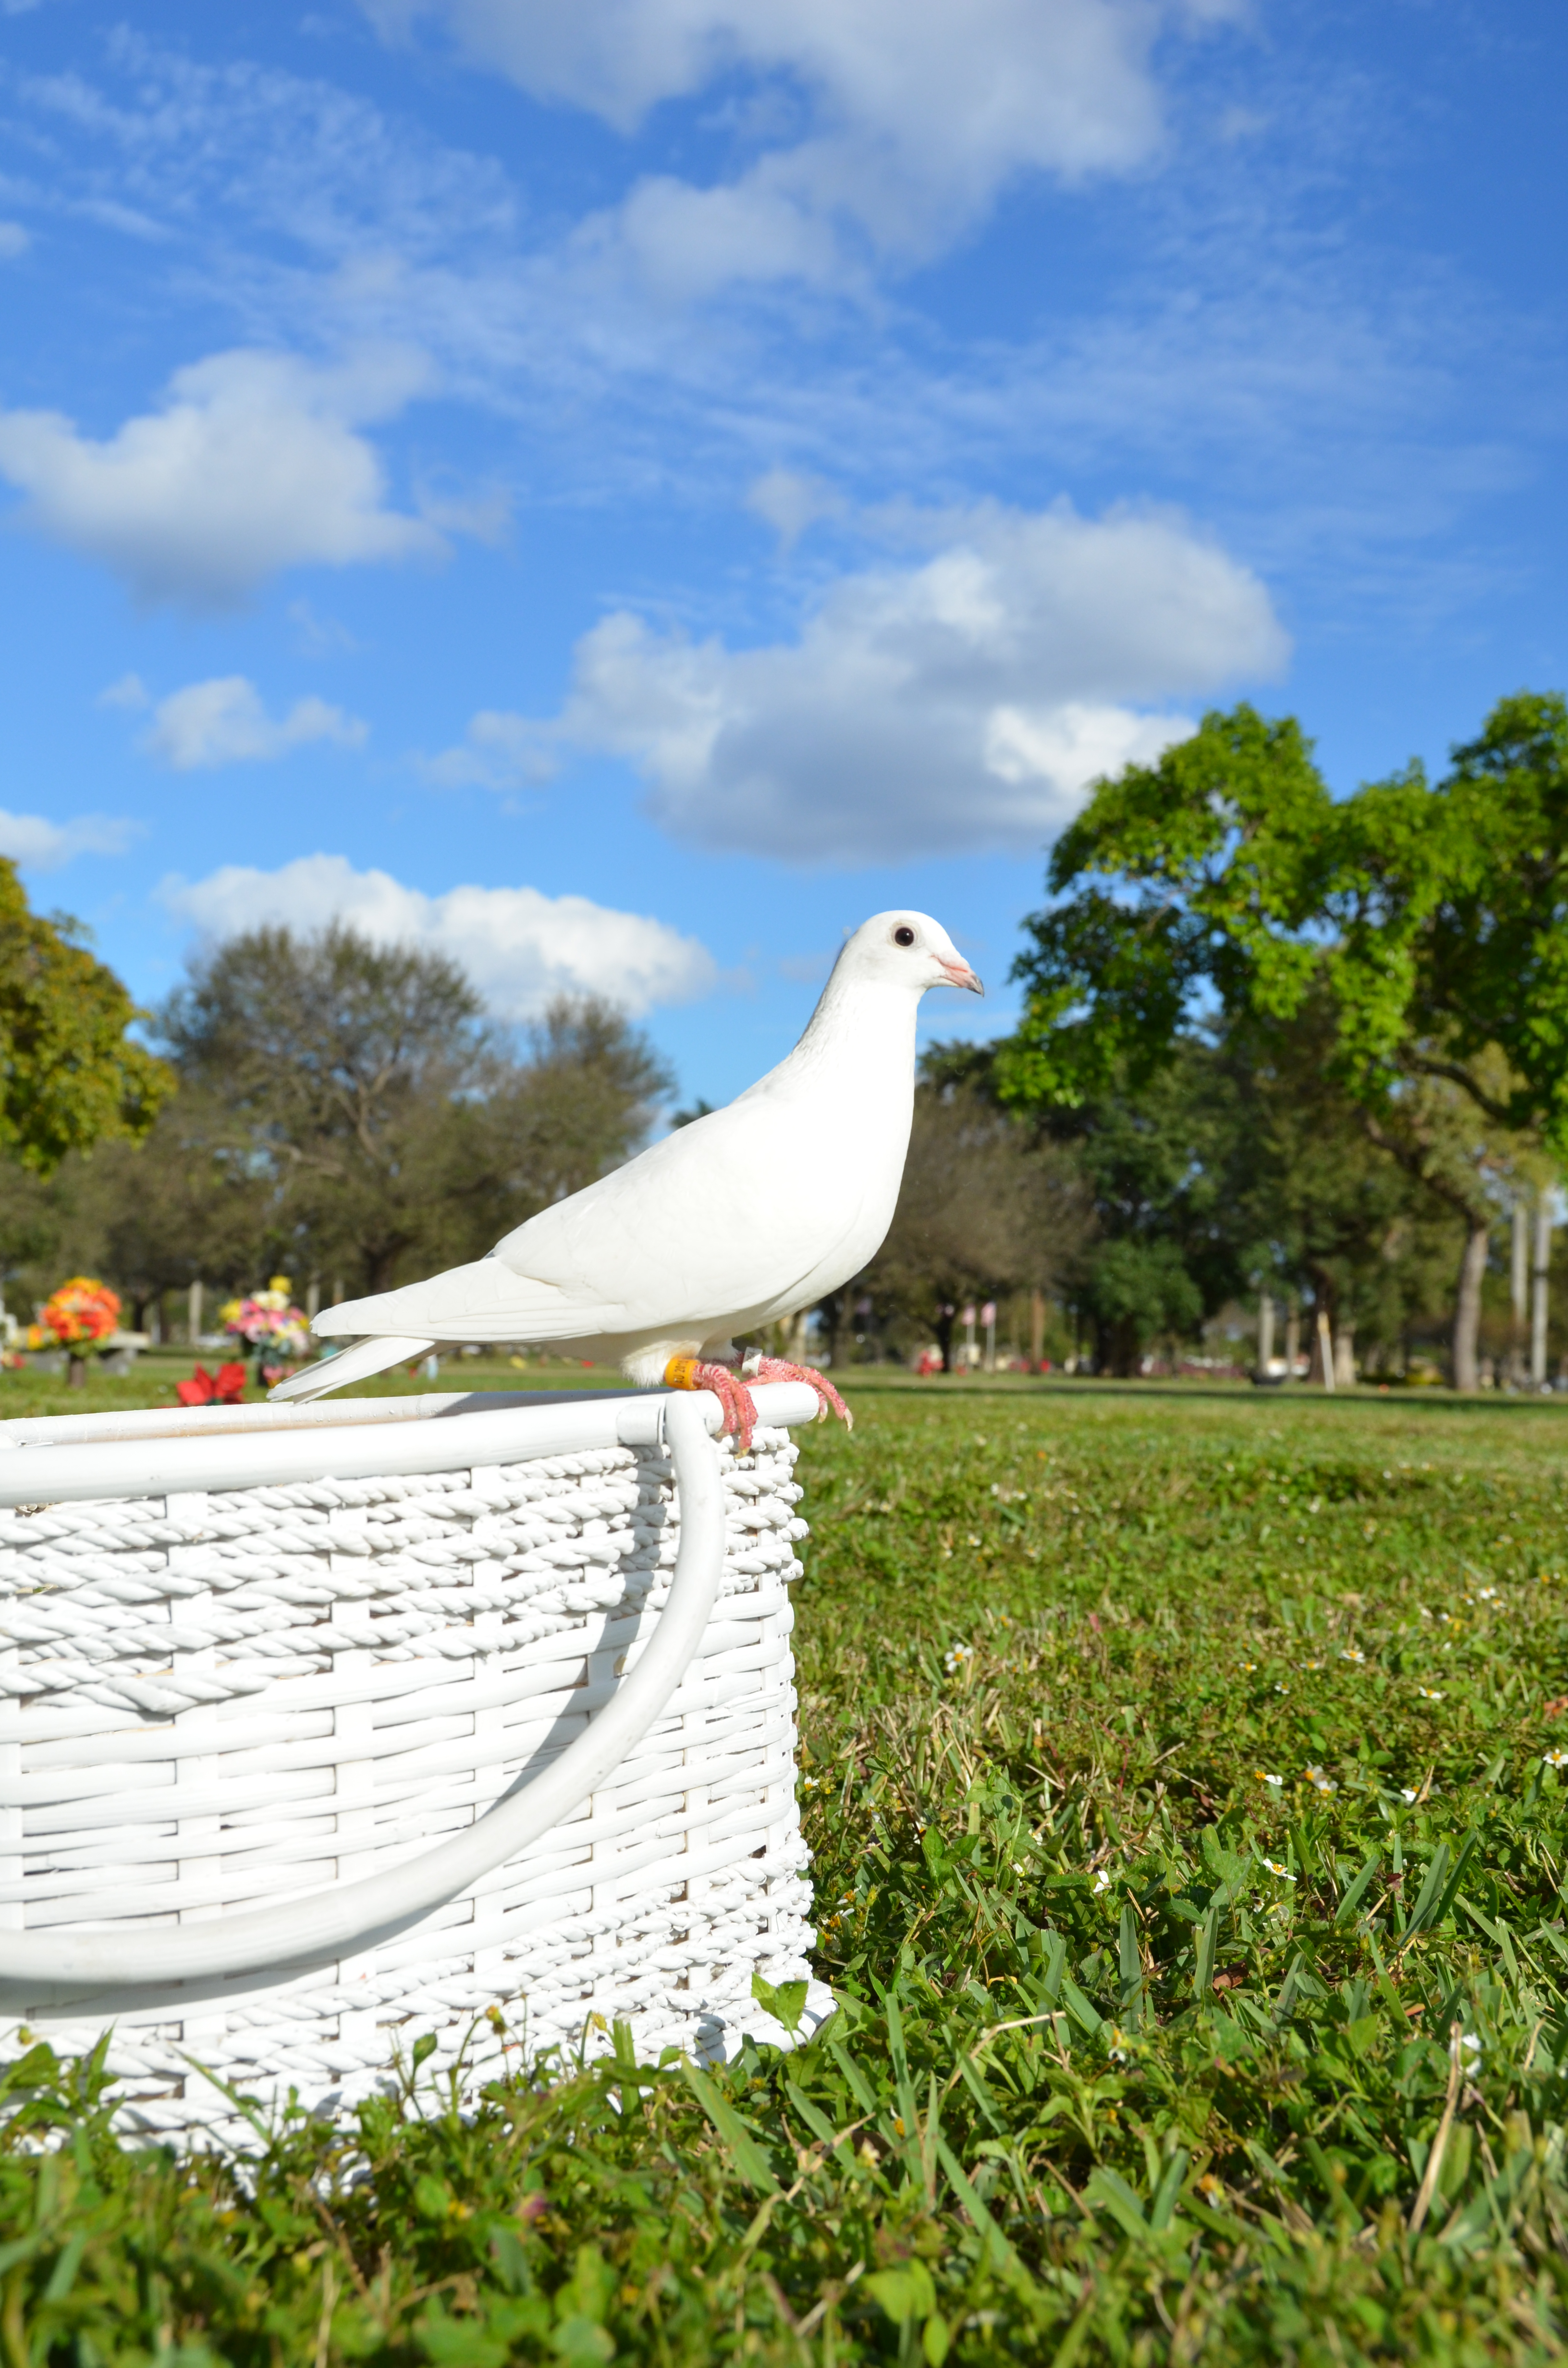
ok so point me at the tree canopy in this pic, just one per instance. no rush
(1431, 916)
(69, 1073)
(385, 1118)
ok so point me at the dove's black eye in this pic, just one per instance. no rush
(903, 936)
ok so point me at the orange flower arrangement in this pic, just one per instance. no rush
(80, 1314)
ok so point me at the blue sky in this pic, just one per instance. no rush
(622, 489)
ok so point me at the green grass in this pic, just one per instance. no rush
(1140, 2056)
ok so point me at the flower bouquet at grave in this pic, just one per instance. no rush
(81, 1316)
(269, 1323)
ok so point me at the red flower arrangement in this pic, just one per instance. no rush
(225, 1387)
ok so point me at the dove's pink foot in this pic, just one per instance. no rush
(739, 1407)
(776, 1368)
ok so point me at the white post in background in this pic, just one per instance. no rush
(1264, 1331)
(1325, 1349)
(1344, 1357)
(969, 1349)
(1036, 1330)
(1293, 1338)
(313, 1298)
(1538, 1289)
(193, 1313)
(988, 1318)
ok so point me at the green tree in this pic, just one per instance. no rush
(69, 1073)
(188, 1204)
(982, 1210)
(1426, 917)
(395, 1127)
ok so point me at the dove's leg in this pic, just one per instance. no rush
(775, 1369)
(739, 1407)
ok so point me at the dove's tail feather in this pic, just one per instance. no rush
(486, 1300)
(355, 1364)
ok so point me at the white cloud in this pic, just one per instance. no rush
(251, 464)
(918, 112)
(319, 637)
(499, 751)
(519, 946)
(963, 701)
(44, 846)
(791, 501)
(223, 722)
(14, 240)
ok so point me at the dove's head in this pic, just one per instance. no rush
(906, 950)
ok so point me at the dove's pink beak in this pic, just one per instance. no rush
(960, 975)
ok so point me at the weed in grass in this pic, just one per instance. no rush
(1186, 1785)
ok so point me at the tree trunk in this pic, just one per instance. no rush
(1325, 1303)
(1118, 1350)
(380, 1266)
(945, 1336)
(1467, 1303)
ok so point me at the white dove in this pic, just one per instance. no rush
(735, 1222)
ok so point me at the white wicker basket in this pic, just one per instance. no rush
(323, 1728)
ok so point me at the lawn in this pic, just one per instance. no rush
(1183, 1773)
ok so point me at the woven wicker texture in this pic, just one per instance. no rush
(211, 1701)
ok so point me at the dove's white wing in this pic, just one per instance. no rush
(728, 1215)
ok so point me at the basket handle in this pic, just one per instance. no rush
(344, 1917)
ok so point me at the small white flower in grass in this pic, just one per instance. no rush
(1102, 1880)
(1471, 2050)
(956, 1655)
(1265, 1777)
(1321, 1782)
(1350, 1653)
(1275, 1868)
(1279, 1689)
(1408, 1793)
(1489, 1594)
(1428, 1693)
(1557, 1758)
(1311, 1665)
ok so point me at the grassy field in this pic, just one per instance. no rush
(1186, 1777)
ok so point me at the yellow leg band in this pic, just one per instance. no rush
(681, 1374)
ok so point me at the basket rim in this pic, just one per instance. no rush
(344, 1441)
